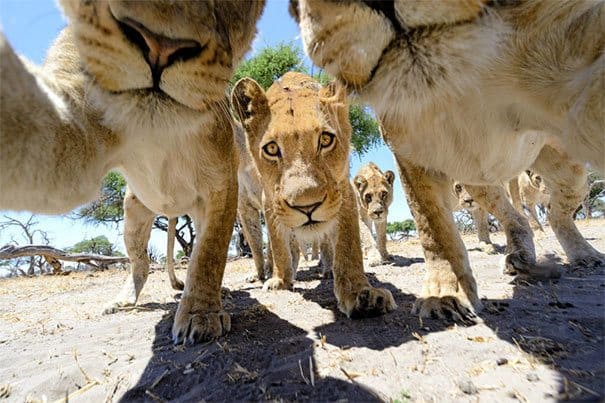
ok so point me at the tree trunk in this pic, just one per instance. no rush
(97, 261)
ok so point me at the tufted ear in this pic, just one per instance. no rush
(390, 177)
(251, 106)
(360, 183)
(293, 9)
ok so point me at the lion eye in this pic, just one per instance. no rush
(326, 139)
(458, 188)
(368, 198)
(383, 195)
(272, 149)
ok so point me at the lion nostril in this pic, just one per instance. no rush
(159, 51)
(308, 209)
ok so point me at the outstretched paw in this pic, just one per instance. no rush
(488, 248)
(374, 261)
(117, 305)
(447, 307)
(275, 283)
(195, 325)
(368, 302)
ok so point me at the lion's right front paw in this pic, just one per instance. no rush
(367, 302)
(447, 307)
(275, 283)
(517, 262)
(192, 326)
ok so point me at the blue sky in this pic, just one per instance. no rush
(32, 25)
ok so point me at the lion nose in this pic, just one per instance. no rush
(469, 201)
(378, 212)
(307, 209)
(159, 51)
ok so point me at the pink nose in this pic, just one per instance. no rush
(159, 51)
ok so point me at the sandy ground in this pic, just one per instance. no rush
(537, 342)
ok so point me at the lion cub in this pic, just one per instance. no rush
(299, 136)
(374, 190)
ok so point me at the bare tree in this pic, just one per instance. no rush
(29, 235)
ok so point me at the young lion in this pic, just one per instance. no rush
(299, 134)
(374, 191)
(138, 86)
(477, 91)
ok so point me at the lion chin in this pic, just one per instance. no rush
(312, 231)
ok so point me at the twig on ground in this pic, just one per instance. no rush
(302, 374)
(154, 397)
(158, 379)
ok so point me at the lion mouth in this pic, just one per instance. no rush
(311, 223)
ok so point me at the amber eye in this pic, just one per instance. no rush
(368, 198)
(326, 139)
(272, 149)
(458, 188)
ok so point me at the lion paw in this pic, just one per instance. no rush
(192, 326)
(447, 307)
(116, 305)
(517, 262)
(275, 283)
(488, 248)
(374, 261)
(594, 260)
(367, 303)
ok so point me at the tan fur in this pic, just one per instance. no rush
(90, 108)
(298, 135)
(532, 192)
(374, 194)
(479, 95)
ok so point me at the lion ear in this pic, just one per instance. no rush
(334, 93)
(251, 106)
(390, 177)
(360, 183)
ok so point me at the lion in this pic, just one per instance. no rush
(462, 200)
(528, 191)
(477, 91)
(140, 87)
(374, 194)
(298, 134)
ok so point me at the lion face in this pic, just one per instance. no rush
(298, 134)
(352, 46)
(465, 200)
(535, 180)
(374, 191)
(158, 56)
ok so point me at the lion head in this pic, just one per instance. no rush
(462, 197)
(374, 191)
(298, 134)
(159, 62)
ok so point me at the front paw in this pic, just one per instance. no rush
(275, 283)
(488, 248)
(194, 324)
(118, 304)
(177, 284)
(367, 302)
(589, 260)
(458, 309)
(377, 260)
(517, 263)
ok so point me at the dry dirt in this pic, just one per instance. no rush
(537, 342)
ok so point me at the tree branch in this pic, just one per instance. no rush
(12, 252)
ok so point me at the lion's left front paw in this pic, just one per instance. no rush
(193, 324)
(447, 307)
(367, 302)
(276, 283)
(379, 260)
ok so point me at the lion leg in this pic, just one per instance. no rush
(200, 315)
(449, 289)
(368, 242)
(174, 281)
(138, 220)
(295, 249)
(327, 257)
(381, 241)
(315, 250)
(480, 219)
(520, 254)
(568, 184)
(356, 297)
(251, 225)
(281, 278)
(536, 225)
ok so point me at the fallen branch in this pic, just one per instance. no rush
(53, 255)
